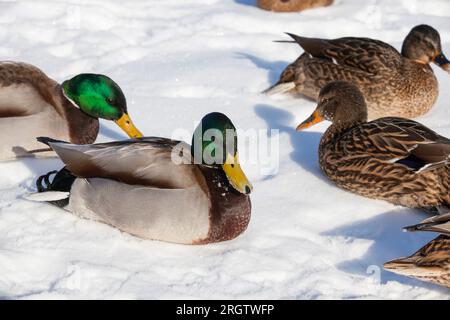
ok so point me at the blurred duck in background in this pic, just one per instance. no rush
(291, 5)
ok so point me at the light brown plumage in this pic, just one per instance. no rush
(393, 159)
(291, 5)
(393, 84)
(32, 105)
(431, 262)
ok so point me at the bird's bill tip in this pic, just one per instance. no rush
(312, 120)
(127, 125)
(442, 61)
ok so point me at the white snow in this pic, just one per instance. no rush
(176, 61)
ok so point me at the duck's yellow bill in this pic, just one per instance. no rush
(312, 120)
(127, 125)
(235, 175)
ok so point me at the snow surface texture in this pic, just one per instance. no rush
(176, 61)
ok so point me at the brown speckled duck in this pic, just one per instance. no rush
(394, 84)
(156, 188)
(291, 5)
(432, 262)
(393, 159)
(32, 105)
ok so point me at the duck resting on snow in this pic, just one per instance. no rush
(431, 262)
(33, 105)
(393, 159)
(394, 84)
(157, 188)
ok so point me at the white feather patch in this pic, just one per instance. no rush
(47, 196)
(70, 100)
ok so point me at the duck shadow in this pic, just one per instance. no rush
(305, 144)
(389, 242)
(275, 68)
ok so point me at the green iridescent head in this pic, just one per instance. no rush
(214, 143)
(100, 97)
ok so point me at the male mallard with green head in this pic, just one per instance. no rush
(157, 188)
(394, 84)
(393, 159)
(431, 262)
(33, 105)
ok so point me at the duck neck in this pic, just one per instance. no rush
(83, 129)
(337, 129)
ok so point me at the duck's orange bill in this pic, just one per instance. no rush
(442, 61)
(312, 120)
(127, 125)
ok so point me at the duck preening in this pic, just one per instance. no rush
(393, 159)
(33, 105)
(157, 188)
(393, 83)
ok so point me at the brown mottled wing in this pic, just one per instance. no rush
(367, 55)
(146, 161)
(397, 140)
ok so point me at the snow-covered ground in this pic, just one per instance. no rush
(176, 61)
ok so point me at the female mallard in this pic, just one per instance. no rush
(33, 105)
(394, 159)
(394, 84)
(432, 262)
(291, 5)
(154, 188)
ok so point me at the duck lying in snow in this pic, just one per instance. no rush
(393, 159)
(432, 262)
(156, 188)
(33, 105)
(394, 84)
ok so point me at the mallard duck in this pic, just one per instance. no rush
(394, 84)
(432, 262)
(291, 5)
(393, 159)
(157, 188)
(32, 105)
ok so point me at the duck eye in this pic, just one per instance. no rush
(109, 101)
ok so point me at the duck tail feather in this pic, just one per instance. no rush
(279, 88)
(57, 191)
(47, 140)
(47, 196)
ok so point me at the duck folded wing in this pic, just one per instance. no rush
(155, 162)
(396, 140)
(368, 55)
